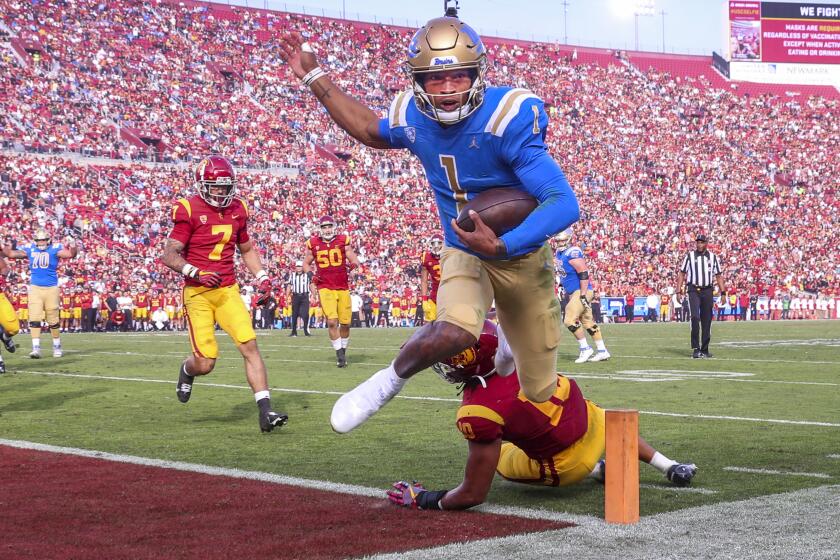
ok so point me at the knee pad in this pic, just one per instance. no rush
(34, 324)
(593, 330)
(573, 327)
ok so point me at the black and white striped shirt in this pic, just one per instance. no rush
(700, 268)
(299, 282)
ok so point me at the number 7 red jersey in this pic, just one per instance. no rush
(330, 262)
(210, 235)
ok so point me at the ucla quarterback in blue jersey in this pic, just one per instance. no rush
(469, 138)
(574, 275)
(43, 257)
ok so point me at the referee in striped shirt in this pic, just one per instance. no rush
(699, 271)
(299, 287)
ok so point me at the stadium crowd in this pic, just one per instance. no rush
(644, 150)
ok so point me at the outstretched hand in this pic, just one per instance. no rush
(297, 53)
(482, 239)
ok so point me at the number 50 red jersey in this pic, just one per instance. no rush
(330, 262)
(210, 235)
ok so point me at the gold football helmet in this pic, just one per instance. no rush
(446, 43)
(563, 238)
(42, 238)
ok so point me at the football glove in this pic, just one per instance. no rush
(264, 291)
(414, 496)
(209, 279)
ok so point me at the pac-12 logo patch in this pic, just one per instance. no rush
(411, 134)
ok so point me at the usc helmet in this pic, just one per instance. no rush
(446, 43)
(328, 227)
(563, 238)
(436, 245)
(477, 361)
(212, 173)
(41, 238)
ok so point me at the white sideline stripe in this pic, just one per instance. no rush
(770, 471)
(729, 359)
(833, 456)
(351, 489)
(410, 398)
(686, 490)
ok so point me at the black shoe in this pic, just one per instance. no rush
(697, 354)
(306, 334)
(2, 367)
(271, 420)
(708, 354)
(341, 358)
(293, 334)
(185, 383)
(7, 341)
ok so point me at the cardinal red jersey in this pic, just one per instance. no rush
(141, 301)
(155, 303)
(23, 301)
(541, 430)
(330, 262)
(66, 302)
(210, 235)
(77, 300)
(87, 300)
(432, 265)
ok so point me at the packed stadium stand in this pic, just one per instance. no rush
(105, 104)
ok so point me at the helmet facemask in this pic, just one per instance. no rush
(328, 231)
(436, 246)
(218, 199)
(425, 101)
(42, 239)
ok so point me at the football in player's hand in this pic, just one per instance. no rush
(502, 209)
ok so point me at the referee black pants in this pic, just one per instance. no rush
(300, 308)
(701, 302)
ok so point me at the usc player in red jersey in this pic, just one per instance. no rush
(208, 229)
(9, 323)
(430, 277)
(555, 443)
(334, 258)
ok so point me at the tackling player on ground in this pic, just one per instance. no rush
(9, 323)
(208, 229)
(578, 288)
(469, 138)
(334, 258)
(43, 292)
(430, 277)
(556, 443)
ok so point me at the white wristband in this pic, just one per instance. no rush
(189, 270)
(261, 275)
(313, 75)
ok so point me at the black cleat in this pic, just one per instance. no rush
(7, 341)
(2, 367)
(271, 420)
(341, 357)
(681, 474)
(185, 383)
(292, 334)
(708, 354)
(697, 354)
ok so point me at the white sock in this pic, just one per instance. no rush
(389, 375)
(583, 344)
(601, 346)
(345, 342)
(336, 344)
(56, 343)
(661, 462)
(260, 395)
(36, 343)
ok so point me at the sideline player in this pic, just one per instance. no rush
(9, 323)
(557, 443)
(430, 277)
(208, 229)
(43, 292)
(578, 287)
(334, 259)
(469, 138)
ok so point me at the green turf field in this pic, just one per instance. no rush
(116, 393)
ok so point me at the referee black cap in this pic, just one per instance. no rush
(701, 237)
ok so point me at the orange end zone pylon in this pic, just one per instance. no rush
(621, 493)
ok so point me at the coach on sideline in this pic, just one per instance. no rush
(699, 270)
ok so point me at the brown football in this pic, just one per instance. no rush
(502, 209)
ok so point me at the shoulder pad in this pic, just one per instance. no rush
(507, 109)
(399, 108)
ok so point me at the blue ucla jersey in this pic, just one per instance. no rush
(43, 264)
(502, 144)
(568, 274)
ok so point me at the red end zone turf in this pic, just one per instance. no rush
(66, 506)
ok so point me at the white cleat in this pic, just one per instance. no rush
(57, 353)
(585, 354)
(600, 356)
(354, 407)
(35, 354)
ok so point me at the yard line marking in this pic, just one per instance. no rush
(421, 398)
(770, 471)
(327, 486)
(729, 359)
(833, 456)
(688, 490)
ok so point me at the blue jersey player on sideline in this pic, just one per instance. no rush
(469, 138)
(43, 259)
(571, 266)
